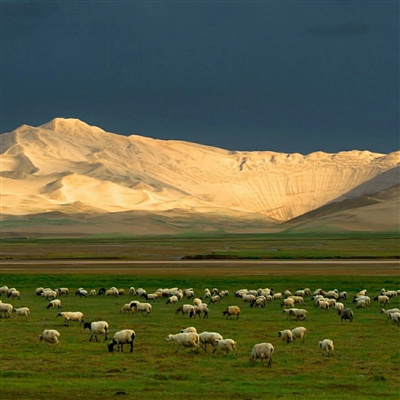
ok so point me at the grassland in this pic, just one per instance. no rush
(367, 355)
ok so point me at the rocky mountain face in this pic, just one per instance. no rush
(68, 166)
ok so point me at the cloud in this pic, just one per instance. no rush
(341, 30)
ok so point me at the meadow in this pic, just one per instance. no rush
(365, 364)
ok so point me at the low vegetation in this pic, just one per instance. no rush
(365, 364)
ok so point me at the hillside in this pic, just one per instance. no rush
(66, 166)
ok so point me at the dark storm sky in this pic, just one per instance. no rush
(286, 76)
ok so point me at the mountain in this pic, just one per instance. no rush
(68, 169)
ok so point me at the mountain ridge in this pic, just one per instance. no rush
(68, 164)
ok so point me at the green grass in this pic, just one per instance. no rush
(365, 365)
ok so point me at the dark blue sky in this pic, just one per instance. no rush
(286, 76)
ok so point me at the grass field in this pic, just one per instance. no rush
(365, 364)
(367, 354)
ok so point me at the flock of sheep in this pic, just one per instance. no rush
(199, 307)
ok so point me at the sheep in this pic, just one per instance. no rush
(152, 296)
(383, 299)
(184, 309)
(395, 318)
(50, 336)
(225, 345)
(299, 313)
(61, 291)
(301, 293)
(81, 292)
(97, 327)
(126, 336)
(332, 294)
(323, 305)
(6, 309)
(189, 329)
(286, 335)
(22, 311)
(343, 296)
(230, 311)
(361, 304)
(288, 303)
(197, 310)
(71, 316)
(299, 333)
(366, 299)
(339, 306)
(248, 298)
(197, 301)
(54, 303)
(4, 290)
(172, 300)
(388, 312)
(121, 292)
(49, 294)
(326, 345)
(112, 292)
(126, 308)
(92, 293)
(209, 338)
(188, 339)
(347, 313)
(14, 294)
(262, 351)
(215, 299)
(297, 299)
(258, 302)
(389, 293)
(142, 307)
(132, 291)
(102, 291)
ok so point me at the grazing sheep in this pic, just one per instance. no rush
(63, 290)
(297, 299)
(288, 303)
(230, 311)
(22, 311)
(132, 291)
(112, 292)
(126, 336)
(339, 306)
(395, 318)
(98, 327)
(343, 296)
(4, 290)
(126, 308)
(189, 329)
(361, 304)
(326, 345)
(262, 351)
(172, 300)
(14, 294)
(299, 333)
(152, 296)
(54, 303)
(184, 309)
(286, 335)
(6, 310)
(323, 305)
(299, 313)
(71, 316)
(197, 310)
(225, 345)
(383, 299)
(248, 298)
(347, 313)
(259, 301)
(189, 339)
(92, 293)
(50, 336)
(366, 299)
(197, 301)
(388, 312)
(142, 307)
(102, 291)
(49, 294)
(215, 299)
(81, 292)
(209, 338)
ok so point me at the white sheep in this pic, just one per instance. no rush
(395, 318)
(299, 313)
(126, 308)
(288, 303)
(71, 316)
(388, 312)
(81, 292)
(361, 304)
(184, 309)
(49, 294)
(187, 339)
(14, 294)
(299, 333)
(286, 335)
(97, 327)
(339, 306)
(189, 329)
(54, 303)
(92, 293)
(63, 290)
(6, 309)
(225, 345)
(126, 336)
(132, 291)
(50, 336)
(172, 300)
(22, 311)
(323, 305)
(209, 338)
(383, 299)
(142, 307)
(326, 345)
(231, 311)
(197, 310)
(262, 351)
